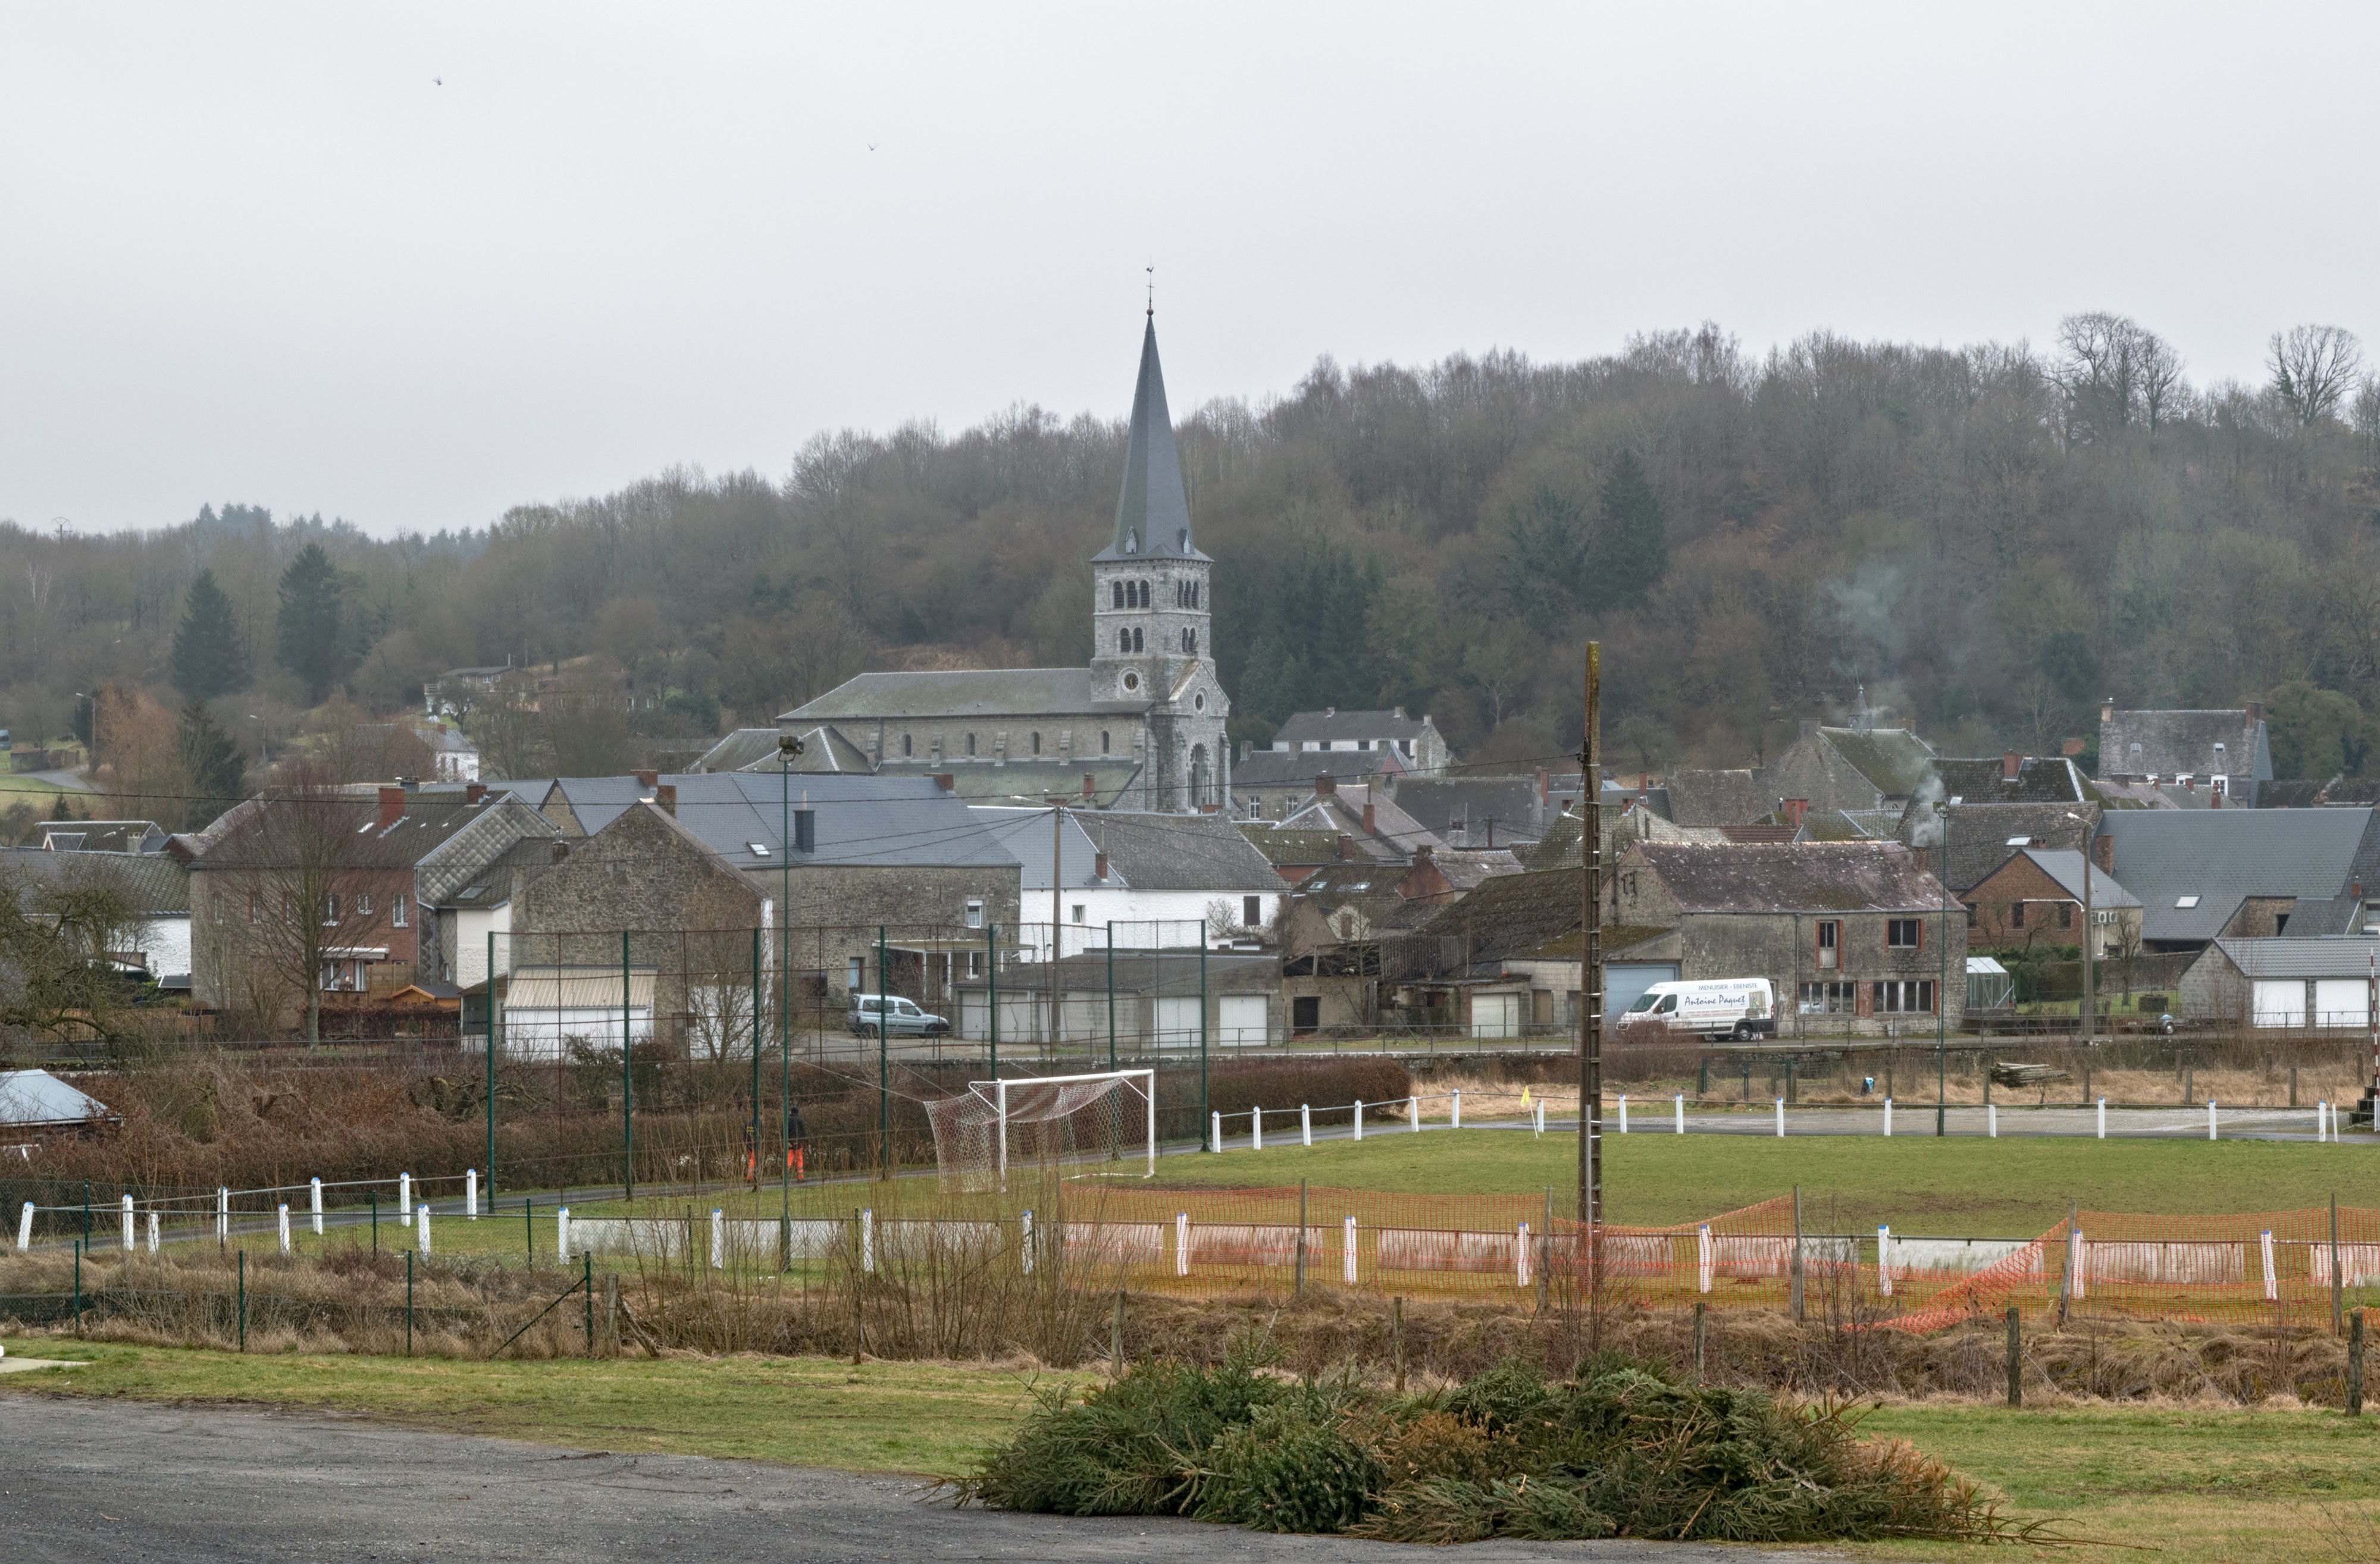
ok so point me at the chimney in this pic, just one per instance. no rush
(2106, 854)
(2255, 714)
(561, 851)
(2355, 889)
(805, 831)
(1246, 745)
(1542, 786)
(2010, 765)
(2215, 798)
(1091, 787)
(392, 804)
(1796, 811)
(648, 779)
(1323, 786)
(1346, 849)
(1370, 828)
(2107, 710)
(409, 784)
(947, 781)
(474, 792)
(665, 794)
(1099, 866)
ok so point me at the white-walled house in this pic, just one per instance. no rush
(1163, 880)
(156, 885)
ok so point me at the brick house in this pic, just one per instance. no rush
(2036, 898)
(1851, 934)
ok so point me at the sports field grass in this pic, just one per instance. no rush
(2197, 1486)
(1955, 1187)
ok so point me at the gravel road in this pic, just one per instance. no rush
(87, 1480)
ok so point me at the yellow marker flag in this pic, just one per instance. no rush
(1524, 1097)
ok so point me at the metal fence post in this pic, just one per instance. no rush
(243, 1304)
(2015, 1360)
(492, 1073)
(627, 1077)
(587, 1284)
(408, 1309)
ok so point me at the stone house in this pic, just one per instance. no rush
(1850, 934)
(1418, 749)
(1843, 768)
(2226, 752)
(2036, 898)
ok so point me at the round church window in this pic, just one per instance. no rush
(1198, 702)
(1132, 681)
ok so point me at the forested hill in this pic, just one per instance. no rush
(1989, 538)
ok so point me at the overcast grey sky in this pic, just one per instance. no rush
(411, 265)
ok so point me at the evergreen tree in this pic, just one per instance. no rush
(1630, 547)
(62, 810)
(309, 625)
(1544, 559)
(208, 661)
(212, 765)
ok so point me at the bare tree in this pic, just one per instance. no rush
(294, 884)
(2314, 368)
(56, 935)
(2115, 372)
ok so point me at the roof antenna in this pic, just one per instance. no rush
(1151, 270)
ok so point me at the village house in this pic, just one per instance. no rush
(1148, 880)
(1267, 784)
(2294, 985)
(1415, 743)
(2207, 874)
(2036, 898)
(1851, 934)
(1294, 854)
(1363, 813)
(154, 886)
(2225, 752)
(1845, 768)
(1487, 812)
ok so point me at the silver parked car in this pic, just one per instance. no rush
(901, 1017)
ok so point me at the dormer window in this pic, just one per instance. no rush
(1182, 542)
(1132, 543)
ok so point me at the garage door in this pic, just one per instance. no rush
(1177, 1023)
(2341, 1001)
(1242, 1017)
(1496, 1016)
(2280, 1001)
(1624, 981)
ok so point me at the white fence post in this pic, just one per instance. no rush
(1703, 1258)
(1359, 1118)
(284, 1227)
(562, 1233)
(1023, 1240)
(1306, 1123)
(1888, 1118)
(2103, 1118)
(2078, 1256)
(1884, 1262)
(1780, 1117)
(2271, 1279)
(2318, 1108)
(404, 1195)
(421, 1220)
(868, 1240)
(1181, 1244)
(1217, 1142)
(1347, 1253)
(152, 1230)
(128, 1225)
(1255, 1129)
(1991, 1121)
(1678, 1107)
(471, 1194)
(2210, 1119)
(1456, 1123)
(223, 1214)
(718, 1238)
(1539, 1106)
(24, 1227)
(1623, 1113)
(1413, 1103)
(318, 1207)
(1520, 1255)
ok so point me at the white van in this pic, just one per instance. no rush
(1717, 1007)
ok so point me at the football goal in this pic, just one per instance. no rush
(992, 1126)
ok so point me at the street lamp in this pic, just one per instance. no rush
(789, 749)
(2090, 1009)
(1942, 985)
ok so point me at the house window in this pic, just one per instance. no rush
(331, 908)
(1139, 643)
(1406, 745)
(396, 911)
(975, 964)
(1123, 640)
(1190, 642)
(2016, 914)
(970, 744)
(974, 914)
(1251, 912)
(857, 974)
(1905, 997)
(1116, 594)
(1828, 999)
(363, 906)
(1103, 741)
(2065, 915)
(1971, 915)
(906, 751)
(1829, 946)
(1904, 933)
(1037, 743)
(1082, 913)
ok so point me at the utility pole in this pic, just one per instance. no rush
(2090, 939)
(1590, 1019)
(1057, 929)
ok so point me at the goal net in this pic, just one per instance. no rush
(994, 1127)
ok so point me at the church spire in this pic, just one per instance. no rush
(1153, 513)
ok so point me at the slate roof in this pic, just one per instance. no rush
(157, 883)
(2223, 856)
(1291, 847)
(1298, 767)
(877, 820)
(1467, 804)
(1334, 724)
(1895, 760)
(491, 885)
(1153, 510)
(2065, 867)
(1180, 853)
(1981, 834)
(2339, 956)
(101, 836)
(432, 819)
(2181, 743)
(824, 750)
(1465, 867)
(1796, 876)
(1032, 783)
(1716, 797)
(966, 692)
(1394, 833)
(2040, 779)
(2336, 793)
(1503, 918)
(1336, 882)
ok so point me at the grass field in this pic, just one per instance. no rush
(1956, 1187)
(2229, 1486)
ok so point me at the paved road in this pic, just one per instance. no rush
(84, 1481)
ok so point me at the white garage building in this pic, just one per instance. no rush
(2294, 985)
